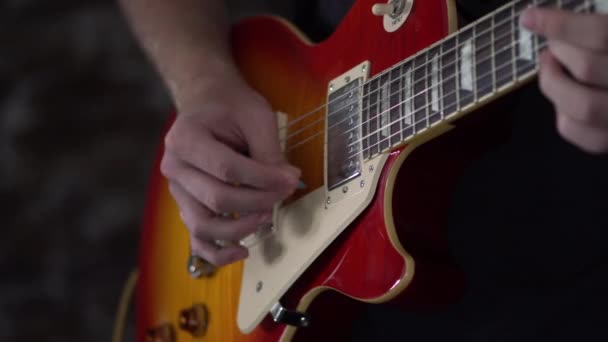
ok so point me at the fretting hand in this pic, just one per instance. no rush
(574, 73)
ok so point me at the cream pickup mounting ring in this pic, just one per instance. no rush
(395, 12)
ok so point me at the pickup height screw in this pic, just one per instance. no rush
(347, 79)
(345, 189)
(363, 68)
(362, 184)
(328, 200)
(331, 87)
(371, 168)
(258, 286)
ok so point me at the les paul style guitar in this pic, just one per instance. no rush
(382, 117)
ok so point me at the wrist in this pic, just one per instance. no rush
(206, 88)
(205, 79)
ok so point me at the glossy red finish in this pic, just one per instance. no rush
(362, 262)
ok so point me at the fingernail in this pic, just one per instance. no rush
(528, 18)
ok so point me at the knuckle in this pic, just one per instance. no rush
(217, 201)
(602, 33)
(586, 68)
(198, 228)
(166, 166)
(225, 171)
(241, 229)
(589, 108)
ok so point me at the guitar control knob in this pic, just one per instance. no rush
(194, 320)
(162, 333)
(199, 268)
(383, 9)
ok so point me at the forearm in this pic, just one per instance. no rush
(187, 40)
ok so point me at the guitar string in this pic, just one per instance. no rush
(413, 98)
(423, 110)
(453, 35)
(584, 6)
(273, 232)
(415, 69)
(426, 118)
(405, 87)
(515, 13)
(478, 49)
(471, 25)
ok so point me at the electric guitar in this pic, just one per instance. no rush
(382, 118)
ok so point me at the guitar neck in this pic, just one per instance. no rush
(474, 65)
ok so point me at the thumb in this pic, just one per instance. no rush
(262, 135)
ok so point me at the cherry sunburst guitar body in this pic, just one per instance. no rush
(394, 249)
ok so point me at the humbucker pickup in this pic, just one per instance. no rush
(343, 137)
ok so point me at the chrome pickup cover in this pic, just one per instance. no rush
(343, 126)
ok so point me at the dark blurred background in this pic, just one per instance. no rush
(81, 112)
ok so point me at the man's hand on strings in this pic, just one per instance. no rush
(574, 73)
(222, 155)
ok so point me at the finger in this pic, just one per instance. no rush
(205, 225)
(218, 196)
(262, 135)
(585, 65)
(216, 255)
(590, 139)
(194, 144)
(582, 104)
(583, 30)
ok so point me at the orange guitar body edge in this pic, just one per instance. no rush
(396, 251)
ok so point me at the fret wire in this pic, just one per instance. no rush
(355, 154)
(419, 94)
(474, 57)
(586, 7)
(492, 64)
(535, 51)
(513, 39)
(440, 83)
(476, 48)
(377, 116)
(456, 73)
(321, 107)
(318, 133)
(459, 44)
(489, 86)
(485, 87)
(381, 113)
(426, 87)
(400, 93)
